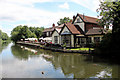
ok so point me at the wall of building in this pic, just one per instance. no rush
(72, 40)
(55, 34)
(81, 24)
(65, 29)
(92, 26)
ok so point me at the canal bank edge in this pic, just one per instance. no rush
(56, 50)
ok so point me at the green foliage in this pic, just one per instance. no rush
(22, 32)
(64, 20)
(82, 49)
(110, 14)
(64, 45)
(3, 36)
(106, 41)
(37, 31)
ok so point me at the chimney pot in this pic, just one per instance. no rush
(53, 25)
(70, 21)
(83, 16)
(73, 17)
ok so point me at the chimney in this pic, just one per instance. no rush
(71, 21)
(53, 25)
(73, 17)
(83, 16)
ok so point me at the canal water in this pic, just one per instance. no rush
(18, 61)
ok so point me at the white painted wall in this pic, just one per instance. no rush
(81, 25)
(55, 34)
(65, 29)
(72, 40)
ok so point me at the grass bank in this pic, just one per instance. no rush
(83, 49)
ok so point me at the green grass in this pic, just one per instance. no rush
(83, 49)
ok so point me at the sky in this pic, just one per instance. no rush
(41, 13)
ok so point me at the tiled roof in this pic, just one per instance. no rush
(48, 29)
(52, 28)
(60, 26)
(79, 29)
(94, 31)
(88, 19)
(72, 28)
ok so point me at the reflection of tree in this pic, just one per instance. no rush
(20, 53)
(112, 69)
(116, 71)
(3, 45)
(74, 64)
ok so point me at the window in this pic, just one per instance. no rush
(56, 39)
(47, 33)
(89, 40)
(66, 39)
(96, 39)
(78, 20)
(82, 40)
(78, 41)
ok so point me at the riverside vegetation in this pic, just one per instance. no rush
(110, 15)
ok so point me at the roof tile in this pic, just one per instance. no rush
(72, 28)
(94, 31)
(88, 19)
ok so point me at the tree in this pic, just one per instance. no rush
(15, 33)
(3, 36)
(37, 31)
(64, 20)
(22, 32)
(110, 14)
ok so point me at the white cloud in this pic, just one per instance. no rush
(90, 4)
(17, 10)
(64, 6)
(13, 11)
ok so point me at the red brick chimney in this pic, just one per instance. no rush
(71, 21)
(53, 25)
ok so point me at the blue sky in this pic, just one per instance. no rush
(42, 12)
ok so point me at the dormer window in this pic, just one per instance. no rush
(78, 20)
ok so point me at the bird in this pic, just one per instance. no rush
(42, 72)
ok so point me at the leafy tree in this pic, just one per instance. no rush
(37, 31)
(15, 33)
(110, 14)
(22, 32)
(26, 33)
(3, 36)
(64, 20)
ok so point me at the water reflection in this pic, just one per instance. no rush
(25, 63)
(75, 64)
(3, 45)
(20, 53)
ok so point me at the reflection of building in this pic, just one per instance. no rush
(81, 31)
(75, 64)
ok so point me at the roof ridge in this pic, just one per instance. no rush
(88, 16)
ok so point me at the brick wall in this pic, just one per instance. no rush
(91, 25)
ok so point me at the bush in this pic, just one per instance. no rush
(104, 46)
(53, 45)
